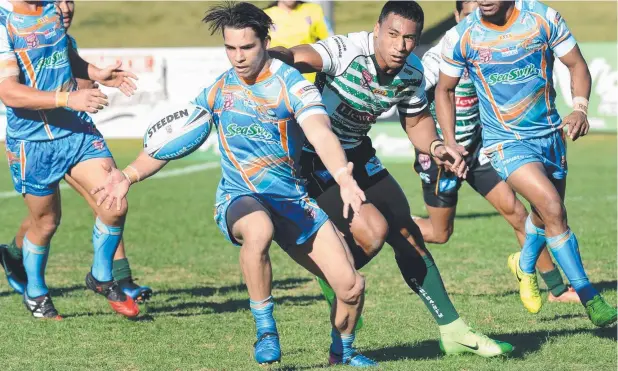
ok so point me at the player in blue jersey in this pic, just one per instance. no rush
(509, 48)
(441, 188)
(49, 134)
(11, 256)
(263, 110)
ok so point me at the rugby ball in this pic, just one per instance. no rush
(176, 131)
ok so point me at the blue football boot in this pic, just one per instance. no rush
(138, 293)
(267, 349)
(354, 360)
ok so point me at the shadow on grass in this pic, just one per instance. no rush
(524, 343)
(489, 214)
(286, 284)
(228, 306)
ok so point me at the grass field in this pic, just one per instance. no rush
(198, 319)
(148, 23)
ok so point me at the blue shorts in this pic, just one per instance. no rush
(295, 221)
(550, 150)
(38, 167)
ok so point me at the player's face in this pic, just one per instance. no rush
(67, 8)
(396, 38)
(289, 4)
(493, 8)
(467, 8)
(246, 52)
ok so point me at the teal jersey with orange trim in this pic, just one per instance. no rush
(35, 47)
(512, 69)
(259, 130)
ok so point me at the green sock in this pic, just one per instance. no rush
(14, 251)
(554, 282)
(424, 278)
(121, 269)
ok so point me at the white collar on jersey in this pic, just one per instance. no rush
(371, 41)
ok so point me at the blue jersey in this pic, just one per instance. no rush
(259, 128)
(34, 46)
(512, 68)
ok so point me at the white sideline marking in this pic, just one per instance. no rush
(163, 174)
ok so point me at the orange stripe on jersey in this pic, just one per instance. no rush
(452, 61)
(542, 22)
(516, 111)
(490, 97)
(489, 44)
(465, 39)
(547, 86)
(234, 161)
(507, 25)
(312, 105)
(32, 29)
(29, 69)
(283, 132)
(562, 39)
(264, 163)
(285, 95)
(22, 164)
(212, 94)
(46, 125)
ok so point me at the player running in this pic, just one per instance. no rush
(508, 48)
(49, 134)
(11, 256)
(441, 188)
(263, 109)
(362, 75)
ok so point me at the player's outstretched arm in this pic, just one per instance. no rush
(421, 130)
(111, 76)
(302, 57)
(14, 94)
(318, 132)
(445, 106)
(117, 184)
(581, 83)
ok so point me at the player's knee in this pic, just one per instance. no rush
(113, 216)
(351, 290)
(372, 239)
(441, 236)
(257, 239)
(553, 212)
(47, 225)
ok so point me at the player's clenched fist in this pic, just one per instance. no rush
(87, 100)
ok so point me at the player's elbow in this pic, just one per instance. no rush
(10, 95)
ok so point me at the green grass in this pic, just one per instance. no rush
(101, 24)
(199, 320)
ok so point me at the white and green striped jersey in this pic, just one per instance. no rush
(356, 92)
(467, 116)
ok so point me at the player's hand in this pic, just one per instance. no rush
(452, 158)
(577, 123)
(115, 188)
(112, 76)
(87, 100)
(351, 194)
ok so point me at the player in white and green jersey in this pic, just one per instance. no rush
(441, 188)
(362, 75)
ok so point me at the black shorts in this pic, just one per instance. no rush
(368, 170)
(440, 188)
